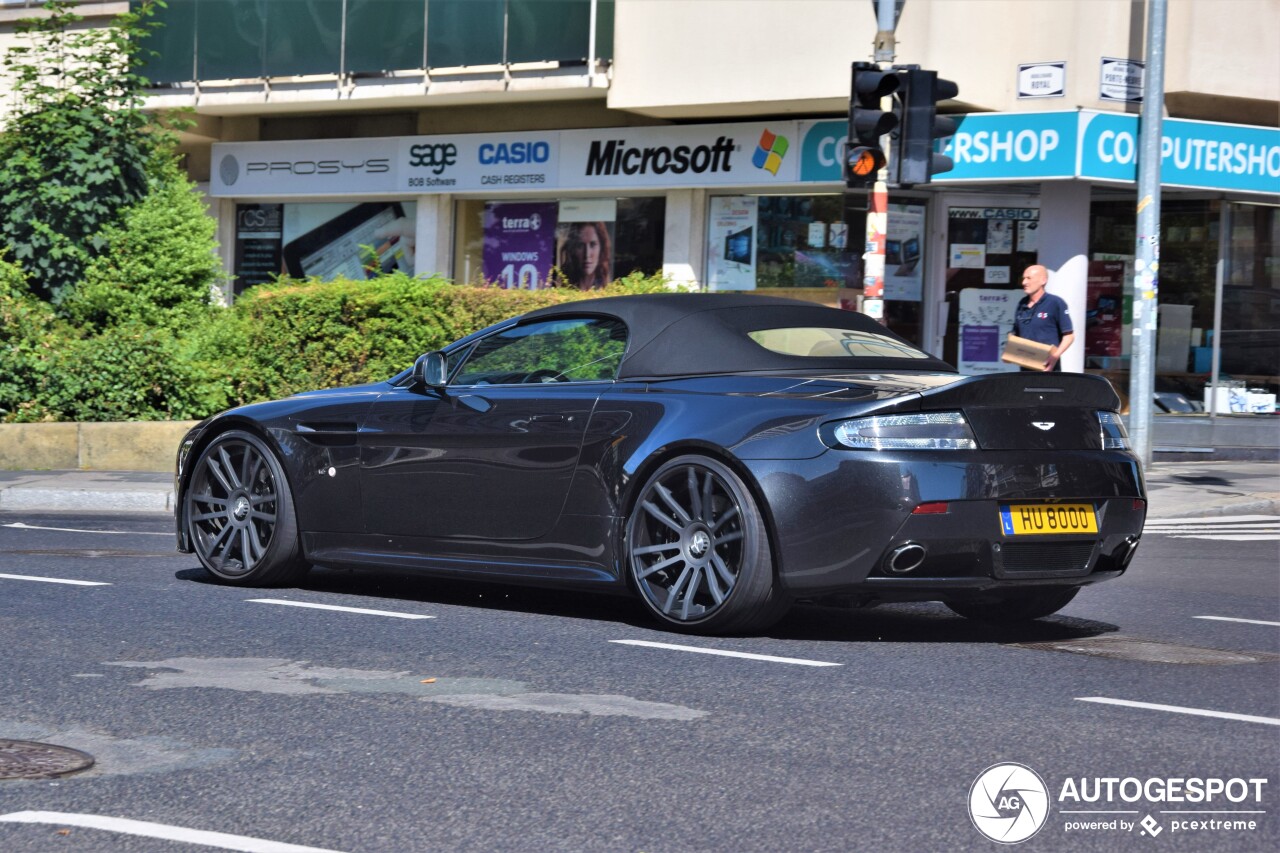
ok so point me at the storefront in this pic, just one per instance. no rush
(760, 206)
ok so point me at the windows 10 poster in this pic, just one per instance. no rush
(731, 243)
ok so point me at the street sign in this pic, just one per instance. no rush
(1121, 80)
(1042, 80)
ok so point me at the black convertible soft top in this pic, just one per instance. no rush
(687, 334)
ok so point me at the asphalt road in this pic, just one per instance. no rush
(514, 719)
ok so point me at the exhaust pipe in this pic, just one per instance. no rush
(1130, 548)
(905, 558)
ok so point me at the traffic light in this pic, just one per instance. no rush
(864, 156)
(913, 159)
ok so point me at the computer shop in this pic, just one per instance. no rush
(760, 206)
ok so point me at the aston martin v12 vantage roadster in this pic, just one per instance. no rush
(716, 456)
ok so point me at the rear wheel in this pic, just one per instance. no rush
(1016, 606)
(239, 514)
(698, 550)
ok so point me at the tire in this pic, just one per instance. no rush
(698, 551)
(1019, 606)
(239, 514)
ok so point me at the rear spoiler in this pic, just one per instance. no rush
(1015, 390)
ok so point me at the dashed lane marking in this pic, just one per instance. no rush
(1234, 619)
(360, 610)
(725, 653)
(1177, 709)
(221, 840)
(53, 580)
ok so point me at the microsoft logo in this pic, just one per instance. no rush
(769, 152)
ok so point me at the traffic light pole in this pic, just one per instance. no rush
(1146, 285)
(878, 198)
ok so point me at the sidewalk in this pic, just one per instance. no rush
(1175, 490)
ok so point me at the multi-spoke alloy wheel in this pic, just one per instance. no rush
(239, 513)
(698, 550)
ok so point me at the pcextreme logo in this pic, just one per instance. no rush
(770, 151)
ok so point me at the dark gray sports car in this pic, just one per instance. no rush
(719, 456)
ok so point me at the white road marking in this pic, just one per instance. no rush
(54, 580)
(1176, 709)
(1232, 537)
(336, 607)
(220, 840)
(1234, 619)
(723, 653)
(1229, 528)
(1216, 519)
(18, 525)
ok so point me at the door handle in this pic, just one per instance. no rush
(548, 418)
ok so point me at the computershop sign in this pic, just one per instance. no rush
(999, 147)
(986, 148)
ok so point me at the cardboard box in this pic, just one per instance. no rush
(1025, 353)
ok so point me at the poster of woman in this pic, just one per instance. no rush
(585, 254)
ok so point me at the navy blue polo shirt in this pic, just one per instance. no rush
(1046, 322)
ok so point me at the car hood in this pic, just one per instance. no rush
(376, 387)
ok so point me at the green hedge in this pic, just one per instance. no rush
(276, 340)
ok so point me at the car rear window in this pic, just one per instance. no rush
(816, 342)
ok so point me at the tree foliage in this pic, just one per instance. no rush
(159, 268)
(77, 146)
(276, 340)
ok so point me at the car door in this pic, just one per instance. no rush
(492, 455)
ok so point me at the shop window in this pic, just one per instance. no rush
(783, 241)
(323, 240)
(1250, 344)
(988, 249)
(1188, 276)
(583, 243)
(810, 247)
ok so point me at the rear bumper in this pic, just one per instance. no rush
(837, 518)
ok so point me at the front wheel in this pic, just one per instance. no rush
(1017, 606)
(239, 514)
(698, 550)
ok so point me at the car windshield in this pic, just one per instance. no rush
(815, 342)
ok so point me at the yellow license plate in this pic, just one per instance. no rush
(1047, 519)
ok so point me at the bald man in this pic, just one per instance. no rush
(1043, 317)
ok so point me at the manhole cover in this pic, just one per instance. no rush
(25, 759)
(1148, 651)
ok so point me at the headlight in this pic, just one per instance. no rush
(1114, 436)
(924, 431)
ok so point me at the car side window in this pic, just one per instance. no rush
(568, 350)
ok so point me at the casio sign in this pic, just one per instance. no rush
(437, 157)
(515, 153)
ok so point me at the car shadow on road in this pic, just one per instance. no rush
(389, 584)
(895, 623)
(926, 622)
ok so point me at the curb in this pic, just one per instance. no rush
(87, 500)
(1250, 507)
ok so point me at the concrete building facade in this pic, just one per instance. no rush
(701, 139)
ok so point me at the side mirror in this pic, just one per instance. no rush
(431, 370)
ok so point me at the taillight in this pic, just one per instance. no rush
(923, 431)
(1114, 436)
